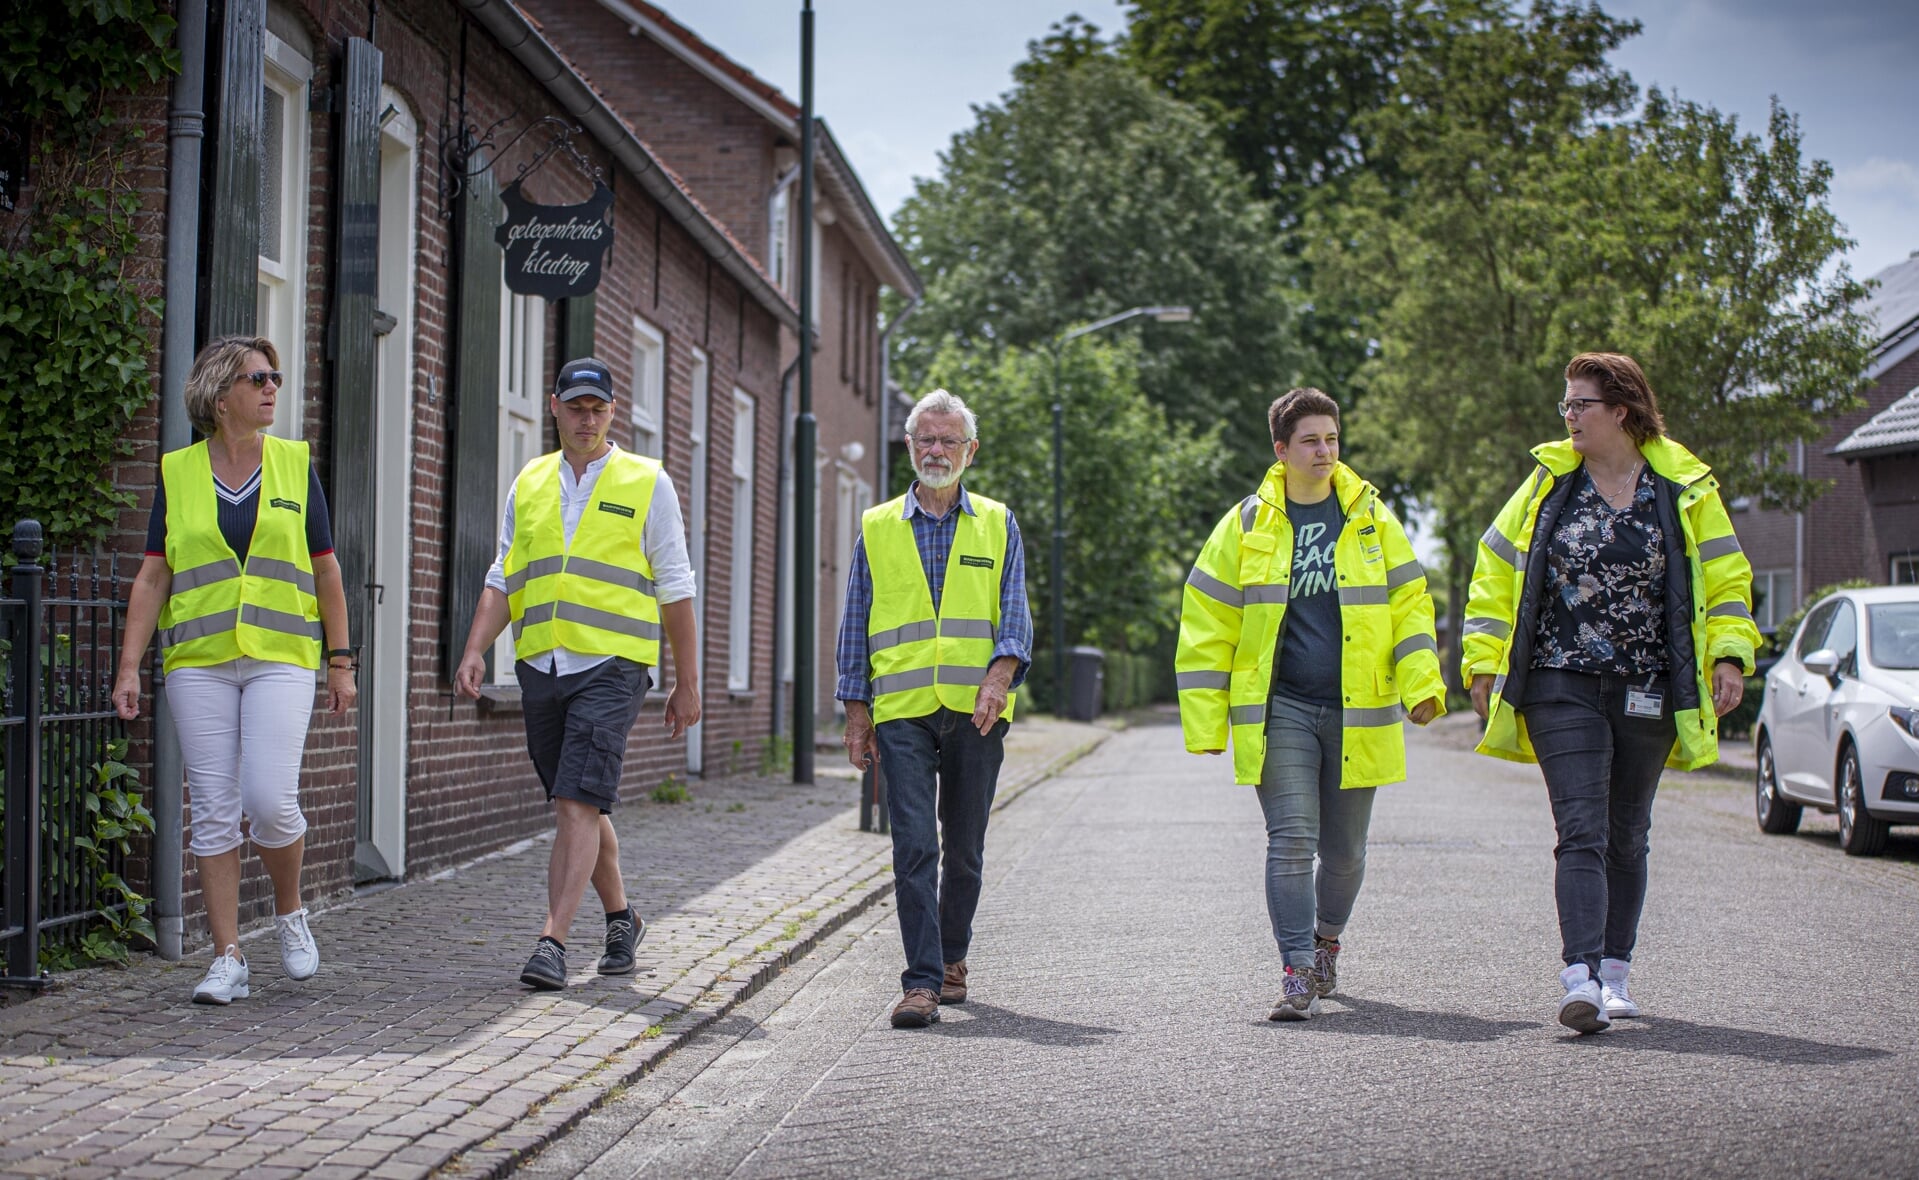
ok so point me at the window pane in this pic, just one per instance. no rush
(1895, 634)
(272, 169)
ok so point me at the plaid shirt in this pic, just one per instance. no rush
(935, 538)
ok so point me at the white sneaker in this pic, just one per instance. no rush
(1612, 986)
(297, 952)
(226, 980)
(1583, 1007)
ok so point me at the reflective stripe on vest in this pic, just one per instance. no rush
(922, 660)
(593, 595)
(216, 610)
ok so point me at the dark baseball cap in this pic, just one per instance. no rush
(583, 377)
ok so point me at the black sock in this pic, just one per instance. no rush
(554, 941)
(625, 915)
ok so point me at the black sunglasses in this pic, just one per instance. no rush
(260, 377)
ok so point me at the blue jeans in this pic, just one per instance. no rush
(940, 777)
(1602, 768)
(1308, 813)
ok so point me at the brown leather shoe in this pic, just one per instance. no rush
(953, 986)
(916, 1009)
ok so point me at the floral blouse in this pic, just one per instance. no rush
(1605, 581)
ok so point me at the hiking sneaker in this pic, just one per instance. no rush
(546, 970)
(917, 1009)
(1298, 1001)
(1583, 1007)
(622, 936)
(298, 954)
(226, 979)
(1325, 965)
(1612, 988)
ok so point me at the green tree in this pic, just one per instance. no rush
(1084, 192)
(1534, 220)
(1131, 477)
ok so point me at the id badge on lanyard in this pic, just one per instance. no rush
(1645, 702)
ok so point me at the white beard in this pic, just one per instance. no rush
(937, 478)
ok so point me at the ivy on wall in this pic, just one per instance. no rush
(75, 334)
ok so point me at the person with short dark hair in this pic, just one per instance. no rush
(592, 568)
(241, 581)
(1608, 628)
(1314, 573)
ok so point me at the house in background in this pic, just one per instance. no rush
(1866, 525)
(734, 140)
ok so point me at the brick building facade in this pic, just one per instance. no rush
(352, 162)
(735, 140)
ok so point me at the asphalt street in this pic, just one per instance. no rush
(1122, 969)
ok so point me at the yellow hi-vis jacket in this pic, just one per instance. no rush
(216, 612)
(1708, 596)
(1235, 606)
(594, 596)
(922, 660)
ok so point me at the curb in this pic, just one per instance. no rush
(564, 1109)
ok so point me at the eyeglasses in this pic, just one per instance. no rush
(927, 442)
(260, 377)
(1573, 407)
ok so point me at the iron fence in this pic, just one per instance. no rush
(60, 622)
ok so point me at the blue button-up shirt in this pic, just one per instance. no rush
(934, 535)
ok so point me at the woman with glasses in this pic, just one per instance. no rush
(241, 581)
(1608, 628)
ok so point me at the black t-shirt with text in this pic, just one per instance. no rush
(1309, 645)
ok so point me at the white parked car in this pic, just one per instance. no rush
(1839, 728)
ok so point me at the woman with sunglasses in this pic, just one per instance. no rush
(1608, 628)
(241, 581)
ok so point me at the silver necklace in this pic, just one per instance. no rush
(1632, 477)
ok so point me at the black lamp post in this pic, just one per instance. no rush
(1165, 315)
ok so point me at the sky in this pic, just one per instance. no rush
(897, 78)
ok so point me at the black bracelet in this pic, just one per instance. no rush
(334, 653)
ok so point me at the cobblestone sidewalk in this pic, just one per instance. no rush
(416, 1050)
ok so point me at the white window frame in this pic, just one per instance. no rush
(648, 390)
(522, 380)
(739, 629)
(1776, 602)
(280, 298)
(1909, 562)
(779, 232)
(697, 524)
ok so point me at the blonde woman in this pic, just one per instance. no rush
(241, 582)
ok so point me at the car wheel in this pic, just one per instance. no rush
(1777, 816)
(1859, 833)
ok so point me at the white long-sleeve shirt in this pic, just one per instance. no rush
(662, 541)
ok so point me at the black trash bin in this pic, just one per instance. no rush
(1085, 683)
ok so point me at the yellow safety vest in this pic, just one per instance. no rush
(1721, 579)
(594, 596)
(216, 612)
(1235, 604)
(924, 660)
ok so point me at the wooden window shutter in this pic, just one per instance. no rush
(576, 327)
(230, 211)
(350, 331)
(473, 502)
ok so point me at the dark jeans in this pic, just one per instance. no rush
(940, 777)
(576, 727)
(1602, 768)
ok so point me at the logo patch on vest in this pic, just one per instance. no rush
(985, 563)
(277, 502)
(616, 509)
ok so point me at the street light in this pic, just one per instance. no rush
(1165, 315)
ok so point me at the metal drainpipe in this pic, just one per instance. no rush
(186, 127)
(780, 556)
(884, 482)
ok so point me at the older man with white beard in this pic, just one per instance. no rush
(933, 642)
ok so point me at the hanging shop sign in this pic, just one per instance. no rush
(555, 251)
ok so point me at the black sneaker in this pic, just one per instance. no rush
(546, 970)
(621, 937)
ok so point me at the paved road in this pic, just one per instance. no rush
(1122, 970)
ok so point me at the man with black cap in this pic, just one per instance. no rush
(592, 568)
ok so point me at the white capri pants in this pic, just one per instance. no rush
(243, 732)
